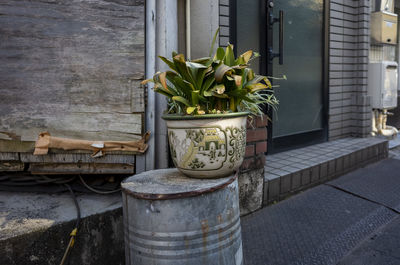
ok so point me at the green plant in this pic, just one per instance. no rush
(217, 84)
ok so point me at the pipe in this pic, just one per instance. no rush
(374, 120)
(150, 47)
(383, 129)
(188, 32)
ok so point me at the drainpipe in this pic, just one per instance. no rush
(188, 46)
(161, 39)
(147, 161)
(386, 130)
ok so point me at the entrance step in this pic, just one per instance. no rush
(290, 172)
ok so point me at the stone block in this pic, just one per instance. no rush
(314, 172)
(331, 168)
(339, 166)
(305, 177)
(296, 180)
(273, 190)
(251, 190)
(286, 182)
(323, 173)
(265, 195)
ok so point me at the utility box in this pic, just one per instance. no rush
(384, 27)
(383, 5)
(382, 84)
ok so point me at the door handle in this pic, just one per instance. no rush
(273, 54)
(280, 37)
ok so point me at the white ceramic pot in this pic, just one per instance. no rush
(207, 146)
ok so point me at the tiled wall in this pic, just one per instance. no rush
(349, 105)
(223, 22)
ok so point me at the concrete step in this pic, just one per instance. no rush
(35, 229)
(290, 172)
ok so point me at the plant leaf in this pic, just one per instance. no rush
(190, 110)
(208, 93)
(202, 61)
(182, 100)
(221, 71)
(247, 55)
(238, 80)
(220, 89)
(220, 54)
(197, 72)
(229, 56)
(256, 87)
(168, 62)
(213, 42)
(181, 67)
(163, 80)
(144, 82)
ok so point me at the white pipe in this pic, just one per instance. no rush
(374, 120)
(188, 31)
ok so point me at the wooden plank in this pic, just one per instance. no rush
(9, 156)
(72, 68)
(77, 158)
(80, 168)
(11, 166)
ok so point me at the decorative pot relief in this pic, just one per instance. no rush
(207, 148)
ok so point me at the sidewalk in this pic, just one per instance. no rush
(354, 219)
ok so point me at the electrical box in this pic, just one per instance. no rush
(384, 5)
(382, 84)
(384, 27)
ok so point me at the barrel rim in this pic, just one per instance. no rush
(169, 196)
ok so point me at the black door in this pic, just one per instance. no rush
(291, 38)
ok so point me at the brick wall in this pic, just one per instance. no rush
(349, 105)
(256, 144)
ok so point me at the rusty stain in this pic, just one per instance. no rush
(204, 229)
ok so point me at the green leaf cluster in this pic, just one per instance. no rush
(216, 84)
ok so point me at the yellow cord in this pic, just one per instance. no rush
(70, 245)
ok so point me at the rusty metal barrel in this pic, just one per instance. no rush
(171, 219)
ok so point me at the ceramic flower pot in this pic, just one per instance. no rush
(207, 146)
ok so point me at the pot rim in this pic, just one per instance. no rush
(204, 116)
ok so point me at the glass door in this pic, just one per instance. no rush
(291, 38)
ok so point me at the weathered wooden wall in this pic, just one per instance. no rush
(71, 67)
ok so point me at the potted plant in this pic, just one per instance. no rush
(209, 100)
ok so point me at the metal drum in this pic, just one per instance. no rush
(172, 219)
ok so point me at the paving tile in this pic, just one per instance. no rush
(269, 176)
(297, 169)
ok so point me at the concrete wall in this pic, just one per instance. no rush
(203, 24)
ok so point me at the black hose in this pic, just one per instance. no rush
(78, 209)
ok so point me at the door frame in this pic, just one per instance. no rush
(284, 143)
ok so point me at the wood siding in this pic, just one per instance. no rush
(72, 68)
